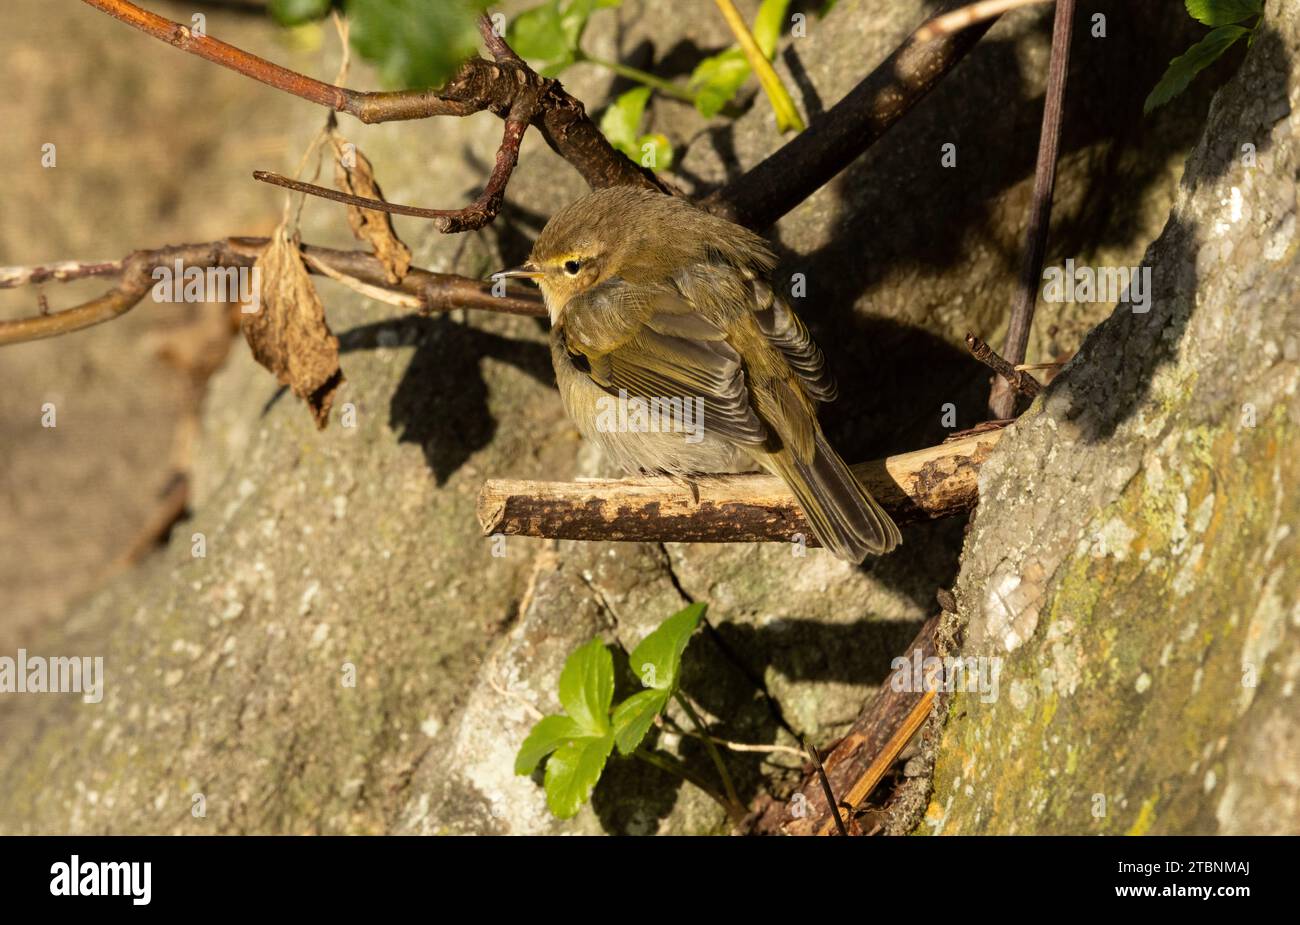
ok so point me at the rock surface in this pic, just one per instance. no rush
(1134, 563)
(349, 655)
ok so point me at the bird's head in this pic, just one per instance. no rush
(638, 235)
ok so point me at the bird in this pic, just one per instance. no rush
(653, 300)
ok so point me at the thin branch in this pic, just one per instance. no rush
(1002, 401)
(755, 199)
(470, 218)
(61, 272)
(811, 159)
(935, 482)
(431, 292)
(967, 16)
(826, 788)
(507, 87)
(721, 766)
(496, 45)
(887, 722)
(1021, 381)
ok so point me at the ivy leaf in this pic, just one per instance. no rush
(547, 735)
(297, 12)
(634, 717)
(1223, 12)
(572, 772)
(1186, 66)
(658, 657)
(587, 687)
(415, 43)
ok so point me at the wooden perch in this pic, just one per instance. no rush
(939, 481)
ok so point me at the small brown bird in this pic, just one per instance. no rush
(674, 353)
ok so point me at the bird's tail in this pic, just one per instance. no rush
(843, 515)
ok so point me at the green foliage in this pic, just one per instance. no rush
(621, 124)
(657, 662)
(550, 34)
(413, 43)
(1226, 16)
(580, 740)
(1223, 12)
(297, 12)
(717, 79)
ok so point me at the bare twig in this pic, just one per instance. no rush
(431, 292)
(935, 482)
(1002, 401)
(756, 199)
(506, 86)
(887, 722)
(473, 216)
(967, 16)
(826, 788)
(812, 158)
(1020, 380)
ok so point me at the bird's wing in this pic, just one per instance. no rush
(663, 350)
(726, 291)
(787, 333)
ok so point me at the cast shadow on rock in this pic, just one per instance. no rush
(441, 403)
(1117, 363)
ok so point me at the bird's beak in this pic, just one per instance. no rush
(523, 271)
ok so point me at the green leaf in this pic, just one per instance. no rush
(572, 772)
(1223, 12)
(548, 734)
(768, 23)
(575, 16)
(654, 151)
(587, 687)
(634, 716)
(539, 34)
(658, 657)
(1196, 59)
(621, 121)
(415, 43)
(297, 12)
(716, 79)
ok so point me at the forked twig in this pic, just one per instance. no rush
(1002, 401)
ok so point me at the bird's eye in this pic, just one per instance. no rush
(572, 267)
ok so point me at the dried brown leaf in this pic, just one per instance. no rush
(353, 174)
(288, 333)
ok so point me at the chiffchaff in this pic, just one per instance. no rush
(657, 304)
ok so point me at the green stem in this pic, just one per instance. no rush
(711, 748)
(667, 87)
(654, 759)
(787, 116)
